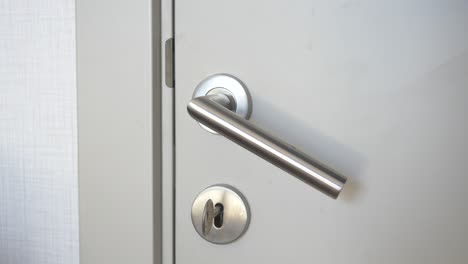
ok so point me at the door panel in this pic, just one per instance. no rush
(376, 91)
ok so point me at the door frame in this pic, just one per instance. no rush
(125, 131)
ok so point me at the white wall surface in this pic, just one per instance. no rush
(38, 175)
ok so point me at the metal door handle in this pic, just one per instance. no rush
(216, 111)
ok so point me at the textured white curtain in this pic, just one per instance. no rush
(38, 175)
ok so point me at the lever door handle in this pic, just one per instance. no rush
(217, 112)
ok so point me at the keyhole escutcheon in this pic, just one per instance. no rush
(220, 214)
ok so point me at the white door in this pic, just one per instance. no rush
(376, 90)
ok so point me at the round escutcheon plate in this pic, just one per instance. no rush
(229, 85)
(224, 210)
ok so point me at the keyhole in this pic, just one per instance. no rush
(218, 220)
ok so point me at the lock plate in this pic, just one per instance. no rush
(220, 214)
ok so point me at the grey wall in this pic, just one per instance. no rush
(38, 183)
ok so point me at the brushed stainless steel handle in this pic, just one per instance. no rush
(216, 112)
